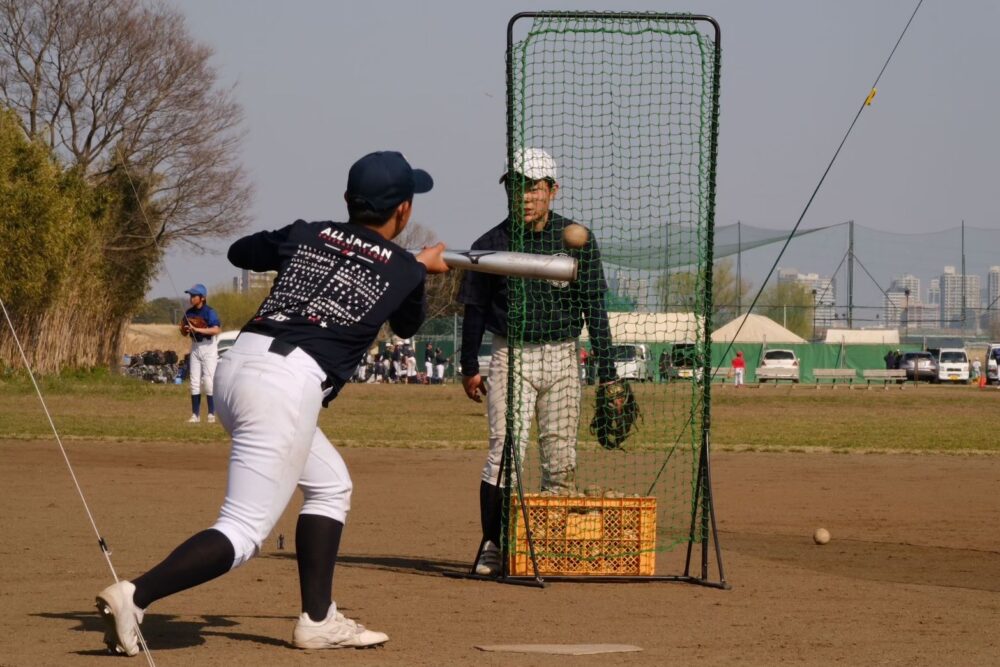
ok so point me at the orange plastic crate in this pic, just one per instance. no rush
(585, 536)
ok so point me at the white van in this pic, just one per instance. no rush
(953, 365)
(632, 362)
(992, 354)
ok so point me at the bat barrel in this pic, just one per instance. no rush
(520, 264)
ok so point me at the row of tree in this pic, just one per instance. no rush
(116, 141)
(791, 304)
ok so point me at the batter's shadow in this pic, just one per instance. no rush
(164, 632)
(399, 564)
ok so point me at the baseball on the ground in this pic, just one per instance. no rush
(575, 236)
(821, 536)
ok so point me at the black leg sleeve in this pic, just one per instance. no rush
(203, 557)
(317, 540)
(490, 504)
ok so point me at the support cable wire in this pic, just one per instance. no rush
(105, 551)
(100, 539)
(867, 102)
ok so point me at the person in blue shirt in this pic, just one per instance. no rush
(204, 350)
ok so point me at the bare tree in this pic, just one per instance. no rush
(118, 88)
(441, 288)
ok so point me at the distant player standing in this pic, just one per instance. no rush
(337, 284)
(204, 350)
(440, 364)
(429, 364)
(548, 376)
(739, 365)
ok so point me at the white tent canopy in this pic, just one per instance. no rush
(652, 328)
(862, 336)
(758, 329)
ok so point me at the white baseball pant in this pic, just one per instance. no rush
(270, 404)
(547, 388)
(202, 363)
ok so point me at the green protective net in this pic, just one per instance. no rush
(624, 107)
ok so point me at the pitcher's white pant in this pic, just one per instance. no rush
(548, 388)
(270, 404)
(738, 376)
(202, 362)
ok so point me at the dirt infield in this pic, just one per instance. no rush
(911, 577)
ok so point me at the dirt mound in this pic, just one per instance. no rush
(142, 337)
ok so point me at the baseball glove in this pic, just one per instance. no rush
(188, 322)
(615, 415)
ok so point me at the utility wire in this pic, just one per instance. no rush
(867, 102)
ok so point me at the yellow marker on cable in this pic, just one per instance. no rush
(871, 96)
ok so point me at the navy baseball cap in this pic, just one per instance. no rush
(198, 289)
(384, 179)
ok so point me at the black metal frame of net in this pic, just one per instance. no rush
(693, 418)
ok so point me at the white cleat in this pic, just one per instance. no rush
(122, 618)
(194, 420)
(488, 564)
(336, 631)
(211, 418)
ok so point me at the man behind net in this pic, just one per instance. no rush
(546, 375)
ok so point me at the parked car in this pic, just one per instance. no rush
(680, 363)
(484, 356)
(919, 366)
(226, 339)
(632, 362)
(953, 365)
(778, 365)
(992, 357)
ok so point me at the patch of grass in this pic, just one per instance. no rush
(918, 418)
(100, 406)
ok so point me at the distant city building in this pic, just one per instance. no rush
(638, 290)
(907, 282)
(903, 293)
(993, 293)
(895, 304)
(252, 280)
(921, 316)
(959, 292)
(934, 292)
(825, 291)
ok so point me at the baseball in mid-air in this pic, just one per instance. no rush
(821, 536)
(575, 236)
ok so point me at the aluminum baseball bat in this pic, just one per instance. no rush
(521, 264)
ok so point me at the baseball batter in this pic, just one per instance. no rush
(547, 379)
(204, 350)
(337, 284)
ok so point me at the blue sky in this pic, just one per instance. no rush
(323, 83)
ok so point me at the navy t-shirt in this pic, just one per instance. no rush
(337, 283)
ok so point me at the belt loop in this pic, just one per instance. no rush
(281, 347)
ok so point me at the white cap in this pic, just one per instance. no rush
(533, 163)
